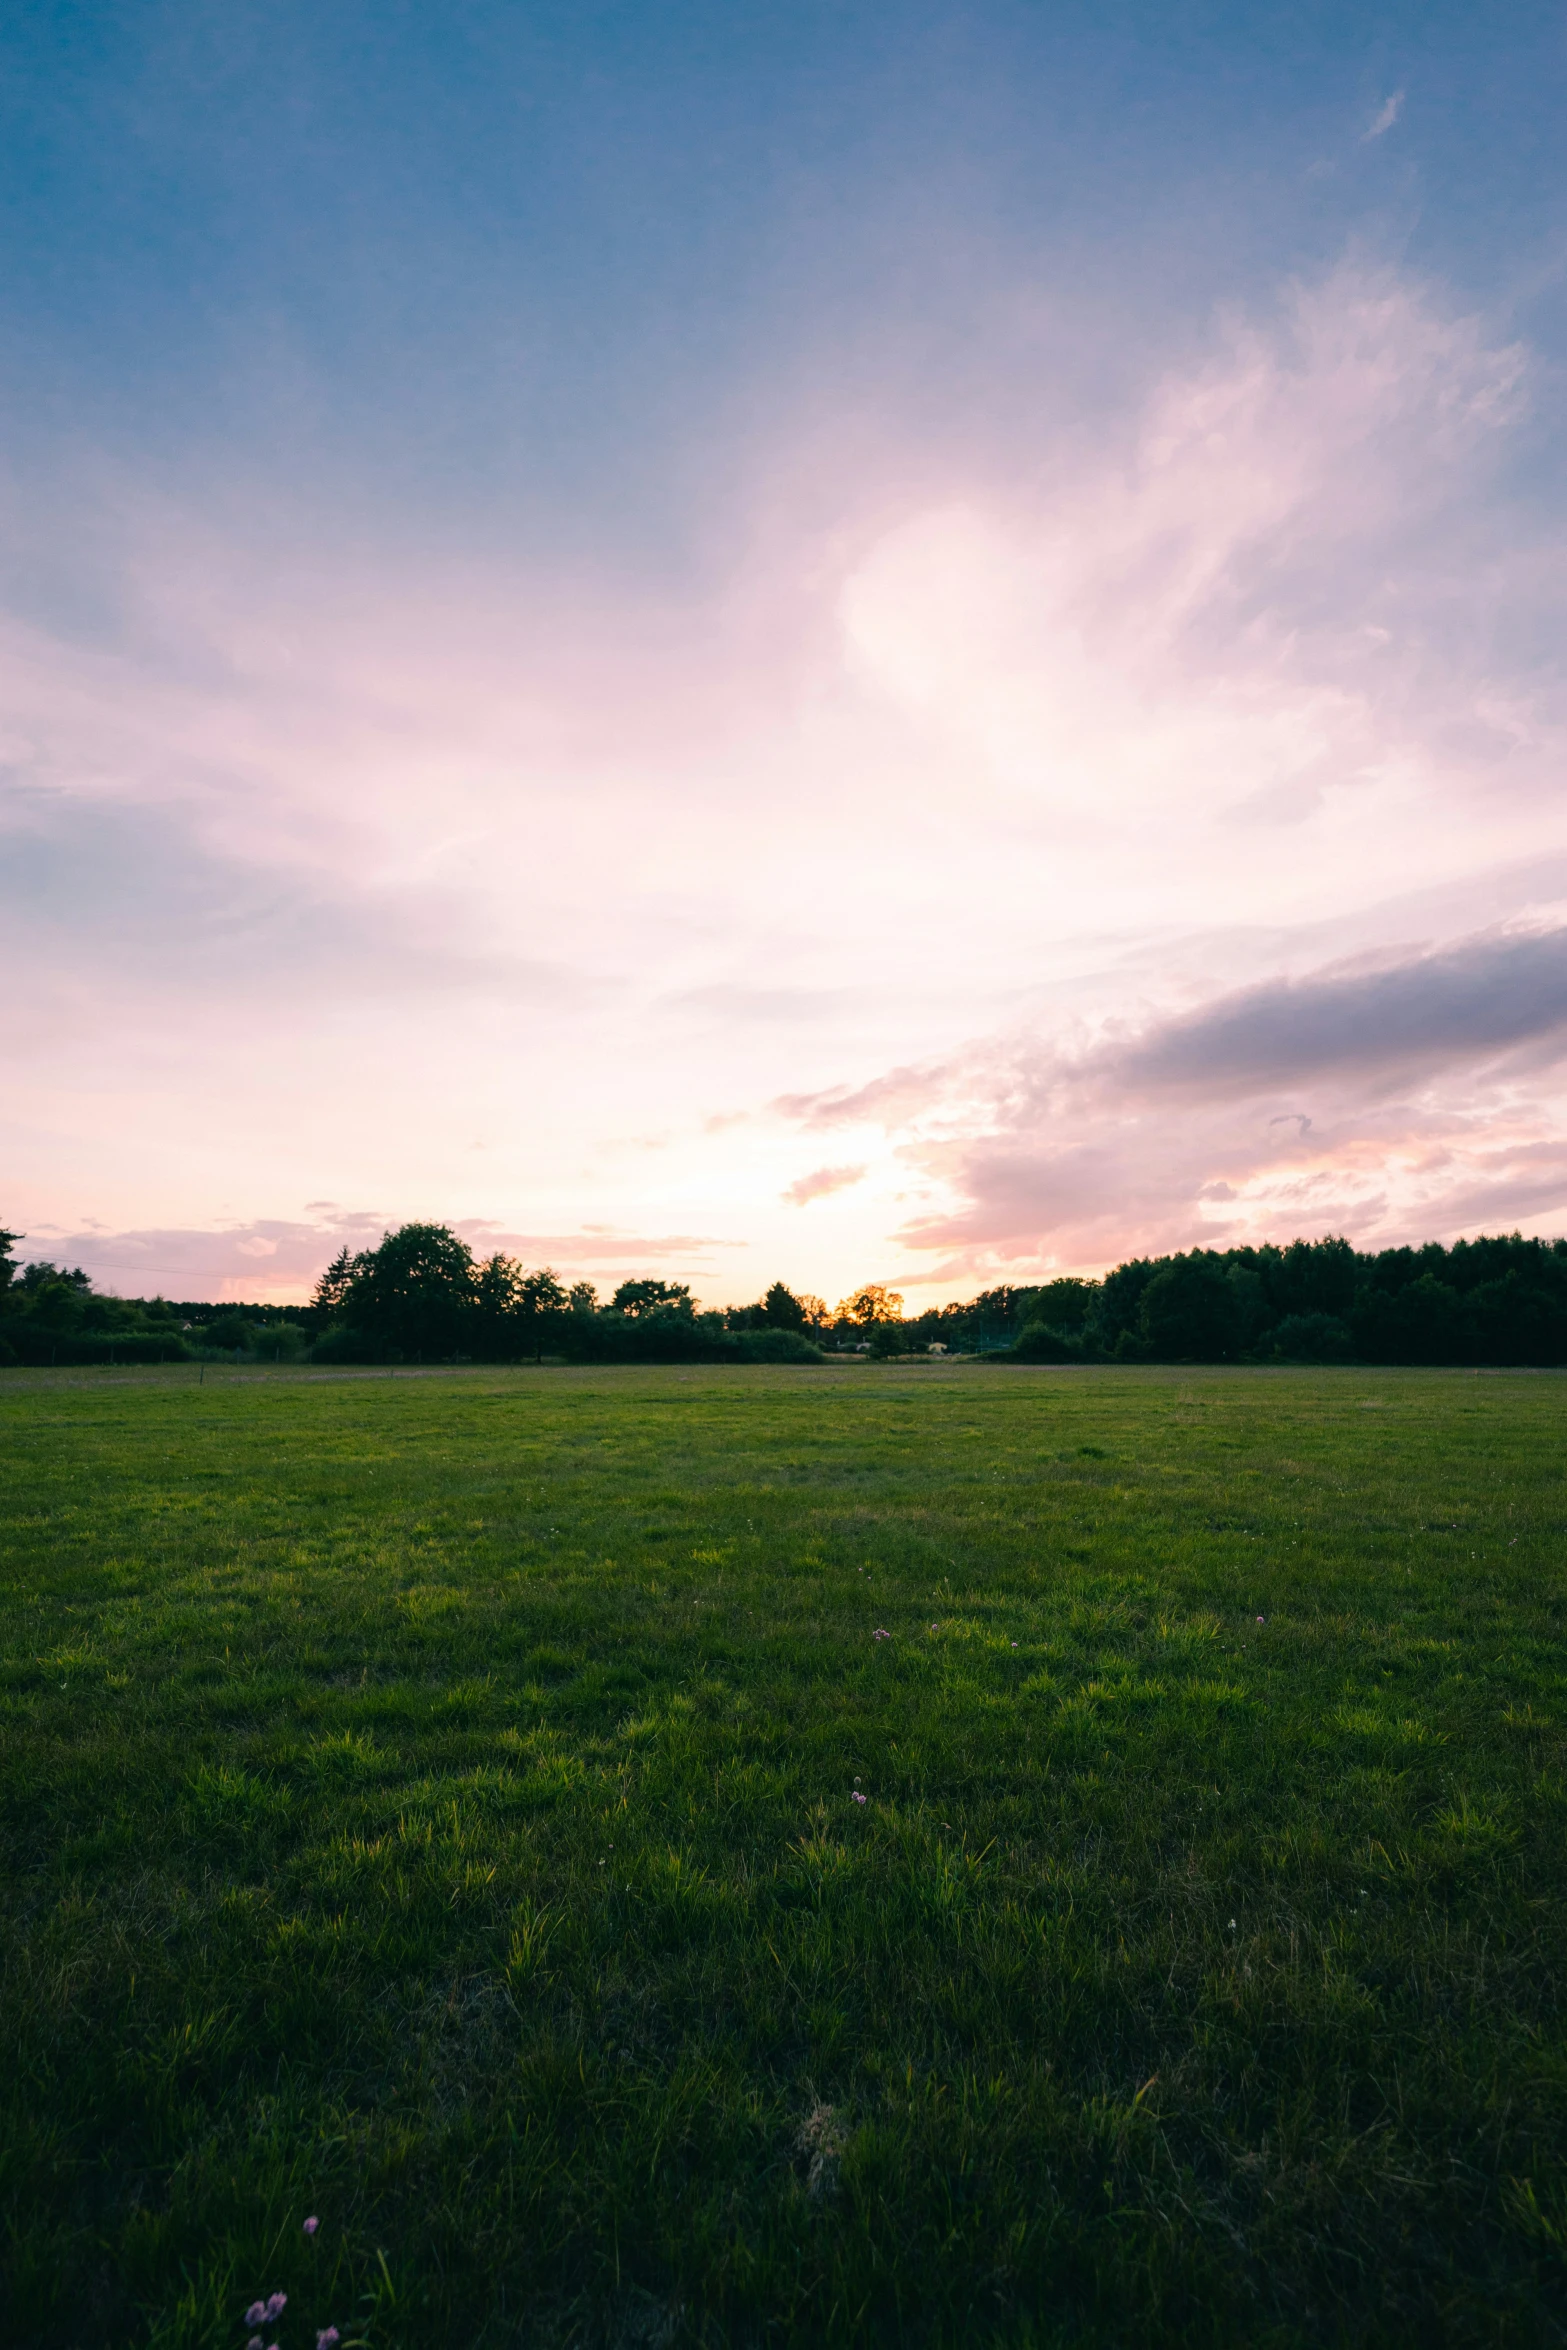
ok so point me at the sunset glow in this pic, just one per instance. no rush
(920, 647)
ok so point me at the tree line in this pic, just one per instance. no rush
(52, 1314)
(1495, 1300)
(422, 1295)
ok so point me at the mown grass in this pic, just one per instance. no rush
(428, 1803)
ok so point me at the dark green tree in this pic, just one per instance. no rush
(638, 1299)
(416, 1293)
(1117, 1309)
(1313, 1276)
(1421, 1321)
(782, 1310)
(1190, 1312)
(541, 1303)
(230, 1333)
(541, 1293)
(58, 1300)
(326, 1299)
(497, 1293)
(1064, 1304)
(1313, 1338)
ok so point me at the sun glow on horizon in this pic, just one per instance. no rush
(769, 776)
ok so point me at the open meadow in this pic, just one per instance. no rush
(922, 1855)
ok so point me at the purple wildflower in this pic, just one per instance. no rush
(879, 1634)
(327, 2338)
(311, 2224)
(255, 2343)
(276, 2304)
(255, 2315)
(858, 1797)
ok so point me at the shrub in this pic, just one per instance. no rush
(776, 1346)
(1041, 1344)
(279, 1342)
(109, 1347)
(230, 1334)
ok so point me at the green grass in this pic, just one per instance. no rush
(428, 1804)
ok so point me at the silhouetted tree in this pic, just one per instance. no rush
(875, 1302)
(416, 1293)
(326, 1299)
(1190, 1312)
(638, 1299)
(782, 1310)
(541, 1301)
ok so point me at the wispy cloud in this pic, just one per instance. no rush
(1384, 118)
(820, 1184)
(433, 883)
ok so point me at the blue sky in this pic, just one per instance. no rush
(554, 251)
(579, 579)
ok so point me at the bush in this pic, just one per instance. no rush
(646, 1338)
(278, 1342)
(775, 1346)
(109, 1347)
(1041, 1344)
(230, 1334)
(8, 1354)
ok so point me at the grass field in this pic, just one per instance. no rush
(429, 1805)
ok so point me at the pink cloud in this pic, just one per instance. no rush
(821, 1184)
(280, 1263)
(1433, 1111)
(478, 889)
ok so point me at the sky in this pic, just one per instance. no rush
(831, 642)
